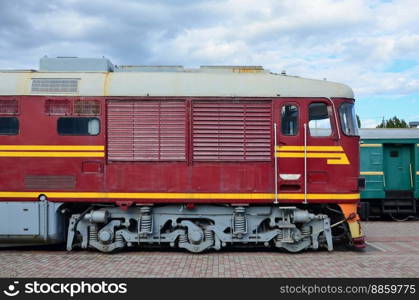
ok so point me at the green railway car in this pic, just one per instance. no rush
(390, 166)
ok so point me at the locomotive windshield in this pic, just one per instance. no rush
(348, 119)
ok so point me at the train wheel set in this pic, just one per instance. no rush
(202, 228)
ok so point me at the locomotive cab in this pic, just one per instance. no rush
(325, 161)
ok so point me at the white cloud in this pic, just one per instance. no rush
(66, 24)
(369, 123)
(349, 41)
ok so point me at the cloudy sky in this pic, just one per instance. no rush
(371, 45)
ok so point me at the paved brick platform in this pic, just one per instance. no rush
(393, 251)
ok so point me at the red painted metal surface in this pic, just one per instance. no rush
(146, 130)
(231, 130)
(168, 145)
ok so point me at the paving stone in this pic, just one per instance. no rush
(393, 251)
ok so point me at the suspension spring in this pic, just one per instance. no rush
(145, 226)
(209, 235)
(119, 238)
(280, 236)
(305, 231)
(93, 234)
(145, 209)
(145, 220)
(239, 224)
(239, 220)
(183, 238)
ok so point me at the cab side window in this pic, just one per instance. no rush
(9, 126)
(289, 120)
(78, 126)
(319, 120)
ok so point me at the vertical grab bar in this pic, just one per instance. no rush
(305, 163)
(411, 176)
(335, 115)
(276, 166)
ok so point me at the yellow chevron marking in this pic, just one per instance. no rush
(372, 173)
(53, 147)
(310, 148)
(333, 158)
(371, 145)
(52, 154)
(189, 196)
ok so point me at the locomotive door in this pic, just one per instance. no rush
(289, 170)
(327, 161)
(308, 152)
(398, 168)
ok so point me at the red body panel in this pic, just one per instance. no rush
(98, 175)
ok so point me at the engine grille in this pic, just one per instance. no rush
(239, 131)
(50, 182)
(147, 130)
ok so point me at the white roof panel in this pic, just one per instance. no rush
(212, 84)
(389, 133)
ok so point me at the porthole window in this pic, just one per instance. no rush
(78, 126)
(9, 126)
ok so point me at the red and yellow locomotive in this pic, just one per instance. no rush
(109, 157)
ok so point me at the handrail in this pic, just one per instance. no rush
(305, 163)
(276, 165)
(336, 118)
(411, 175)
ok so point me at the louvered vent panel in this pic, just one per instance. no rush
(52, 85)
(58, 107)
(238, 131)
(9, 107)
(120, 130)
(50, 182)
(87, 107)
(146, 130)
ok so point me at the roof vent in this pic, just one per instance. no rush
(55, 85)
(234, 69)
(149, 69)
(75, 64)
